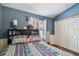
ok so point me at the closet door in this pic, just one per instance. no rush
(65, 34)
(77, 41)
(78, 46)
(56, 32)
(76, 23)
(72, 35)
(62, 34)
(59, 30)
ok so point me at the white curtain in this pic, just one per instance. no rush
(45, 28)
(40, 25)
(42, 28)
(30, 21)
(33, 21)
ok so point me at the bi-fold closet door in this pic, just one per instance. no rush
(67, 33)
(73, 31)
(60, 33)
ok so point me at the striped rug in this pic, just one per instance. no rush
(32, 49)
(38, 49)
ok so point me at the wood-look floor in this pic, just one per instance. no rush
(66, 50)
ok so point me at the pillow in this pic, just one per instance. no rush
(35, 38)
(22, 39)
(19, 36)
(18, 40)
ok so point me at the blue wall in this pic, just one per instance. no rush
(8, 14)
(74, 10)
(50, 26)
(0, 19)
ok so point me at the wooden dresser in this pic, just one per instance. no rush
(3, 44)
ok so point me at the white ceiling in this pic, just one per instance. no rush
(45, 9)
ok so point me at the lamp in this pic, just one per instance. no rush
(15, 23)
